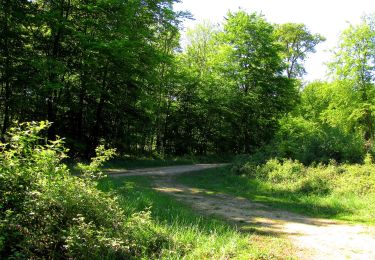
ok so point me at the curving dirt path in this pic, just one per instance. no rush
(313, 238)
(162, 171)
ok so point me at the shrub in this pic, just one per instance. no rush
(317, 180)
(47, 212)
(277, 171)
(357, 179)
(309, 142)
(291, 175)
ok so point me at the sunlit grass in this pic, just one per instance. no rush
(347, 207)
(195, 236)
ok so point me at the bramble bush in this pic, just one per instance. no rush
(45, 212)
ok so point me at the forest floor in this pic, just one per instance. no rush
(313, 238)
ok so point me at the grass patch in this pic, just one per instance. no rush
(195, 236)
(345, 206)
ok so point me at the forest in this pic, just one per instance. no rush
(106, 79)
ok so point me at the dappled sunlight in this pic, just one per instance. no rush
(169, 189)
(127, 134)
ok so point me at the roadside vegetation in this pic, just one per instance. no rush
(341, 192)
(196, 235)
(45, 211)
(320, 161)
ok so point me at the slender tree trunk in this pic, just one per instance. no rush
(53, 78)
(79, 118)
(98, 120)
(96, 131)
(55, 54)
(7, 92)
(6, 115)
(368, 121)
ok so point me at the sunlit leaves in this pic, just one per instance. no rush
(296, 42)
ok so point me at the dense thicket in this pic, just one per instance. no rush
(111, 70)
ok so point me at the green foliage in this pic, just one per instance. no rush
(344, 192)
(309, 141)
(368, 159)
(281, 172)
(263, 94)
(296, 42)
(354, 62)
(288, 175)
(320, 179)
(334, 120)
(94, 68)
(196, 236)
(44, 211)
(92, 170)
(229, 91)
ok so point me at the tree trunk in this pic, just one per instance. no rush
(96, 131)
(6, 110)
(6, 76)
(79, 123)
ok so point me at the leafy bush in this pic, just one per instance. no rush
(309, 142)
(356, 179)
(47, 212)
(291, 175)
(317, 180)
(277, 171)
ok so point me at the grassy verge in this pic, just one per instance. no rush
(348, 207)
(195, 236)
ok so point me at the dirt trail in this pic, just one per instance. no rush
(162, 171)
(313, 238)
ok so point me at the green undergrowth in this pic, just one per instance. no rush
(46, 213)
(321, 191)
(195, 236)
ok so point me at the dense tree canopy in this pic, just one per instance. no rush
(113, 70)
(88, 67)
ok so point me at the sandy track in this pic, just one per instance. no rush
(162, 171)
(313, 238)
